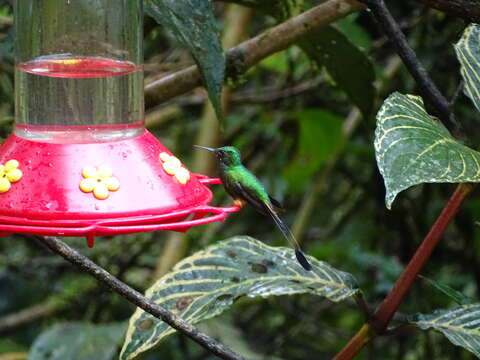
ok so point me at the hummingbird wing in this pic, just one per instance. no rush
(240, 182)
(250, 195)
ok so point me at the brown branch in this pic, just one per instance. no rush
(14, 356)
(73, 256)
(465, 9)
(250, 52)
(26, 316)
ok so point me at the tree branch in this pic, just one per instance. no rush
(71, 255)
(26, 316)
(250, 52)
(435, 101)
(465, 9)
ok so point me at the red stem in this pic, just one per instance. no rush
(362, 337)
(390, 304)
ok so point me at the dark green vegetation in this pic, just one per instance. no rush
(293, 116)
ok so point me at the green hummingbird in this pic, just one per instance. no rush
(245, 187)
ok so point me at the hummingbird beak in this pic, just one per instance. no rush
(205, 148)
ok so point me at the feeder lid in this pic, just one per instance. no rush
(101, 188)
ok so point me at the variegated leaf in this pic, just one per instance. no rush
(208, 282)
(412, 148)
(468, 53)
(460, 325)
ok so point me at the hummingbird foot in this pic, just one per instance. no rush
(239, 202)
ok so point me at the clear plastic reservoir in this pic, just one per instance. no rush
(79, 74)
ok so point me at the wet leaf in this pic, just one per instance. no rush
(208, 282)
(193, 24)
(413, 148)
(460, 325)
(348, 66)
(78, 341)
(468, 53)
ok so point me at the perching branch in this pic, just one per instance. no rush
(71, 255)
(465, 9)
(250, 52)
(435, 101)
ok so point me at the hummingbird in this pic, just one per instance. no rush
(245, 187)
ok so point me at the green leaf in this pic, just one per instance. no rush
(354, 32)
(193, 24)
(453, 294)
(348, 66)
(208, 282)
(78, 341)
(468, 53)
(320, 139)
(413, 148)
(460, 325)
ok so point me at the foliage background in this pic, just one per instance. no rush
(288, 117)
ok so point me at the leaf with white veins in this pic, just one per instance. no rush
(460, 325)
(468, 53)
(208, 282)
(412, 148)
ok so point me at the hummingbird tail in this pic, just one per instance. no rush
(290, 238)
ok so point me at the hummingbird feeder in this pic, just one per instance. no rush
(80, 161)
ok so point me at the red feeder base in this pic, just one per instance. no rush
(100, 189)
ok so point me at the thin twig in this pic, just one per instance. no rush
(363, 306)
(458, 92)
(465, 9)
(434, 99)
(73, 256)
(240, 58)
